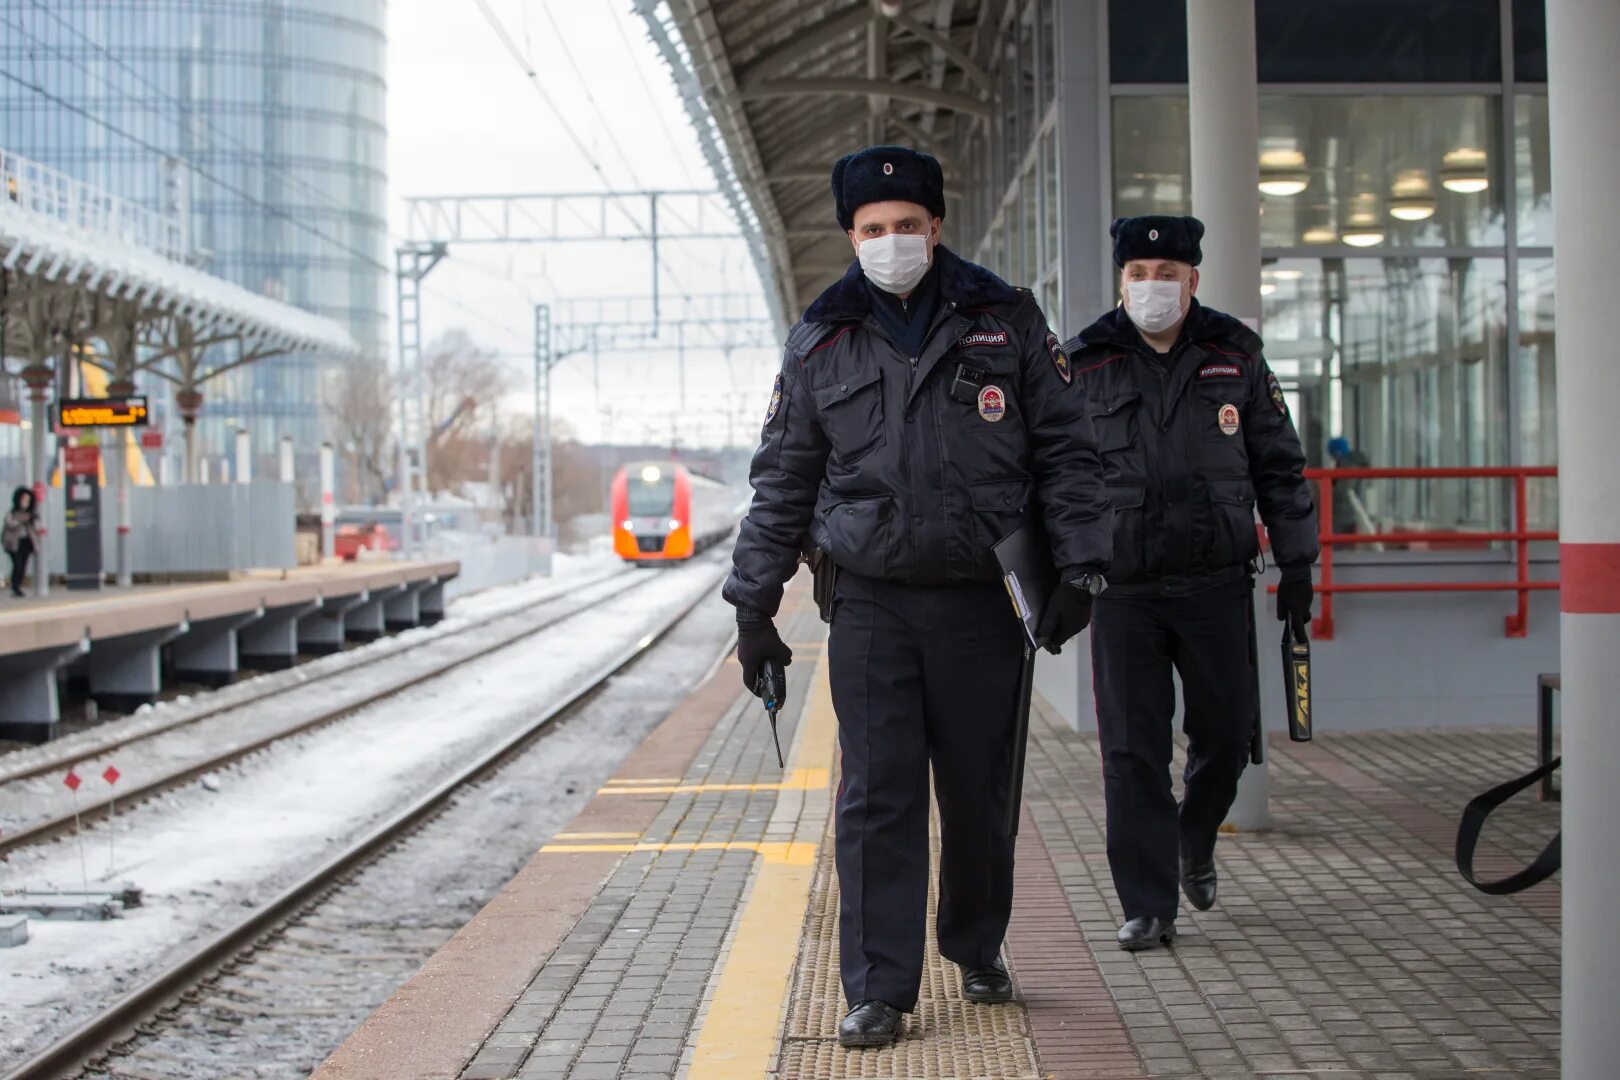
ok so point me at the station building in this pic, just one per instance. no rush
(262, 123)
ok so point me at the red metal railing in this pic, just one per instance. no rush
(1521, 537)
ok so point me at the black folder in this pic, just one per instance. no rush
(1027, 571)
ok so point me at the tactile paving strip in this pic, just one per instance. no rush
(946, 1038)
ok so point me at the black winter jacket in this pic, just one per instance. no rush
(867, 452)
(1190, 441)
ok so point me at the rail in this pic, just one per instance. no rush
(1521, 536)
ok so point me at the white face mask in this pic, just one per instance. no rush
(894, 263)
(1154, 306)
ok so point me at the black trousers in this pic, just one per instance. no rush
(1135, 642)
(19, 563)
(921, 676)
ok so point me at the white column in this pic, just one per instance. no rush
(243, 472)
(116, 460)
(285, 460)
(1224, 117)
(1583, 85)
(328, 501)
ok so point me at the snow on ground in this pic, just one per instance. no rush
(199, 854)
(570, 572)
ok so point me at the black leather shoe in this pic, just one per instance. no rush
(988, 985)
(870, 1023)
(1146, 932)
(1198, 882)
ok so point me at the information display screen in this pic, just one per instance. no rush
(103, 412)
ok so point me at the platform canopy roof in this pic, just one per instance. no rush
(81, 250)
(778, 89)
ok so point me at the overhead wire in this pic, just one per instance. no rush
(533, 77)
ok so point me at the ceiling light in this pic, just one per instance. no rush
(1410, 197)
(1283, 173)
(1286, 273)
(1319, 234)
(1361, 228)
(1267, 288)
(1418, 208)
(1464, 171)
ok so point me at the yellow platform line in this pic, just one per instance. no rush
(790, 853)
(811, 779)
(742, 1030)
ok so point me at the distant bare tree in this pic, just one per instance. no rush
(360, 416)
(576, 478)
(463, 383)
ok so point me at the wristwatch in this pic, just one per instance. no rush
(1091, 581)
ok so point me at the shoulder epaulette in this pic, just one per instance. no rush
(804, 337)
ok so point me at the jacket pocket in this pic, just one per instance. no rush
(859, 533)
(851, 414)
(1233, 536)
(998, 509)
(1114, 421)
(1129, 559)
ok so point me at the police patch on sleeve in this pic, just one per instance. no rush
(1274, 388)
(776, 400)
(1060, 359)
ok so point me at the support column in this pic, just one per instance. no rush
(321, 632)
(29, 709)
(1085, 166)
(1224, 117)
(242, 472)
(430, 608)
(117, 465)
(38, 378)
(271, 643)
(328, 502)
(126, 671)
(368, 622)
(209, 653)
(285, 461)
(404, 611)
(1583, 84)
(189, 402)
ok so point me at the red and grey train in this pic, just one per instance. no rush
(664, 512)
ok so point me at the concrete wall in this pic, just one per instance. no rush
(1396, 661)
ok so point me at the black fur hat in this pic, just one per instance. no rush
(1157, 236)
(881, 173)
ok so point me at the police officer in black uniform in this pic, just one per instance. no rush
(924, 410)
(1193, 432)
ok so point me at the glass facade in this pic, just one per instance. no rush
(1406, 229)
(273, 110)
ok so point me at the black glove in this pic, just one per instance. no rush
(757, 642)
(1294, 596)
(1068, 611)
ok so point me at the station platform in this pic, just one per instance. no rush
(262, 619)
(684, 925)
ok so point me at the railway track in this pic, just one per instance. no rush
(324, 711)
(298, 905)
(227, 701)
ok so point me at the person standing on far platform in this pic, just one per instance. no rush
(1194, 432)
(924, 411)
(20, 536)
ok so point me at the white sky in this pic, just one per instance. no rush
(464, 119)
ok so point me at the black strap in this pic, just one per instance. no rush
(1473, 821)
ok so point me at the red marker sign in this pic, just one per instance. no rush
(72, 780)
(111, 774)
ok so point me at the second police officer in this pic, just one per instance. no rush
(1194, 432)
(923, 411)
